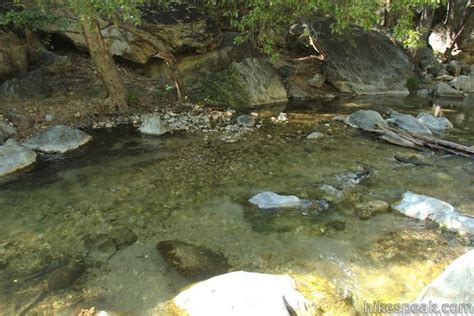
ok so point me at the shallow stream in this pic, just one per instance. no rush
(195, 187)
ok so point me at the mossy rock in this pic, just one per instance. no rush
(249, 83)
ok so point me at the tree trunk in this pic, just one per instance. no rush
(105, 64)
(389, 19)
(163, 53)
(34, 45)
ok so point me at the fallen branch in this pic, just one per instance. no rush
(397, 136)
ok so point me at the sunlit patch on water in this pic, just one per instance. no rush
(194, 188)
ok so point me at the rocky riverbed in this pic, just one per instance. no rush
(81, 229)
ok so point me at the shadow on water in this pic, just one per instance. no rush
(107, 144)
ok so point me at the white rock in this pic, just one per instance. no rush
(14, 157)
(153, 125)
(423, 207)
(245, 294)
(267, 200)
(454, 285)
(315, 135)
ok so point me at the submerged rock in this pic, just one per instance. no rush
(63, 277)
(411, 158)
(369, 209)
(154, 125)
(100, 247)
(366, 120)
(283, 213)
(269, 200)
(340, 183)
(423, 207)
(408, 123)
(245, 293)
(435, 124)
(14, 157)
(453, 286)
(58, 139)
(192, 261)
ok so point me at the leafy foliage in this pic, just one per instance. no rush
(33, 18)
(413, 83)
(260, 19)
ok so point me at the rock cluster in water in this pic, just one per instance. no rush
(424, 123)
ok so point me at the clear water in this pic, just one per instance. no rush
(194, 188)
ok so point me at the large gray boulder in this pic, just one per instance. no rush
(58, 139)
(245, 293)
(260, 82)
(13, 56)
(435, 124)
(363, 62)
(453, 286)
(14, 157)
(366, 120)
(408, 123)
(423, 207)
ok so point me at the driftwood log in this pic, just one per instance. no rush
(397, 136)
